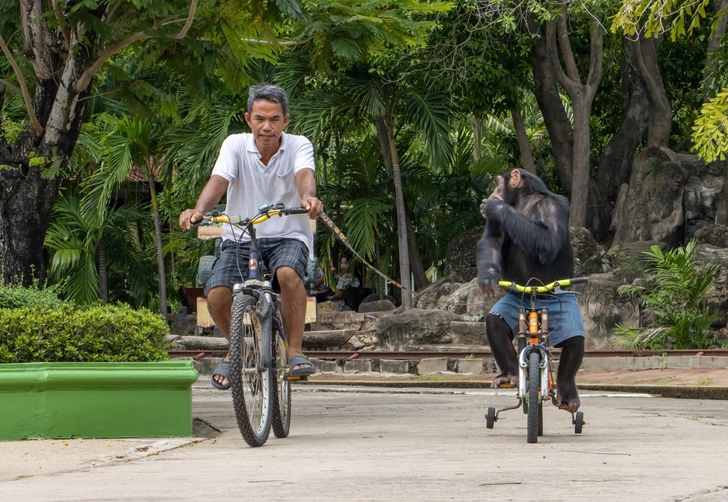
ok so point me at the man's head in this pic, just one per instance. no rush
(267, 115)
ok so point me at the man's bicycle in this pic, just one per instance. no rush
(260, 385)
(535, 383)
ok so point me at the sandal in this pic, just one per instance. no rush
(307, 368)
(223, 369)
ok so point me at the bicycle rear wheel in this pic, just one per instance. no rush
(282, 386)
(534, 410)
(251, 378)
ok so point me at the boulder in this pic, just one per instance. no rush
(587, 254)
(376, 306)
(435, 296)
(715, 235)
(651, 206)
(416, 327)
(460, 259)
(603, 308)
(717, 294)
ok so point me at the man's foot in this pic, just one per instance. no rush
(221, 375)
(300, 366)
(503, 380)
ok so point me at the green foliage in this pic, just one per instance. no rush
(676, 298)
(710, 132)
(18, 297)
(72, 334)
(658, 16)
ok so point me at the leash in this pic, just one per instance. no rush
(340, 235)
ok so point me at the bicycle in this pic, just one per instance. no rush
(535, 383)
(260, 385)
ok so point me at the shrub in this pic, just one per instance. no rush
(97, 333)
(16, 297)
(675, 296)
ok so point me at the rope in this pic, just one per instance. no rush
(340, 235)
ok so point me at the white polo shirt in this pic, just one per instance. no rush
(253, 184)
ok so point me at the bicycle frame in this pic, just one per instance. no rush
(533, 331)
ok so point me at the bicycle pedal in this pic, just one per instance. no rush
(297, 378)
(506, 386)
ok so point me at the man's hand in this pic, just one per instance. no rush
(188, 217)
(314, 207)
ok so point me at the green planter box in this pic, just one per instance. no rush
(96, 400)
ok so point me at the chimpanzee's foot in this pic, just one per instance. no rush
(568, 401)
(504, 378)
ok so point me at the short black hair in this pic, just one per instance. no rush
(269, 93)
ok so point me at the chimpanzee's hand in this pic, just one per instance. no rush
(488, 281)
(491, 209)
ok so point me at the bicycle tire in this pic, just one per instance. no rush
(282, 386)
(534, 359)
(251, 377)
(540, 418)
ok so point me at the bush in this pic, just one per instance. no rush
(675, 296)
(16, 297)
(97, 333)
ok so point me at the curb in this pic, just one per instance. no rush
(665, 391)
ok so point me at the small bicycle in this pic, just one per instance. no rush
(535, 383)
(260, 385)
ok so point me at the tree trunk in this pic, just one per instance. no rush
(524, 146)
(615, 163)
(389, 152)
(582, 97)
(416, 266)
(160, 254)
(582, 167)
(378, 253)
(644, 55)
(26, 203)
(103, 271)
(478, 139)
(547, 95)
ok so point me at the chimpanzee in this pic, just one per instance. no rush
(526, 240)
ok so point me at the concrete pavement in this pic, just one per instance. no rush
(369, 443)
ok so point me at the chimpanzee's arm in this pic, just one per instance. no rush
(489, 253)
(542, 231)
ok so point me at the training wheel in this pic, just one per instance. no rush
(490, 418)
(578, 422)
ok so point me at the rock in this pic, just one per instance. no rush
(416, 327)
(587, 254)
(669, 198)
(715, 235)
(602, 308)
(376, 306)
(470, 333)
(326, 307)
(435, 296)
(717, 293)
(460, 259)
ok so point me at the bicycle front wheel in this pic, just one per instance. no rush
(282, 386)
(534, 383)
(251, 379)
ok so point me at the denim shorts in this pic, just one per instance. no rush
(564, 315)
(231, 267)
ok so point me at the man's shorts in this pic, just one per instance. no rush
(564, 315)
(231, 267)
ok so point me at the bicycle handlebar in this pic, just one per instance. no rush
(545, 288)
(265, 212)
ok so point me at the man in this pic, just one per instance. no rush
(265, 166)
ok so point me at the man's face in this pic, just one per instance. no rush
(266, 121)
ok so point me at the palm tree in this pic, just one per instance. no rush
(130, 147)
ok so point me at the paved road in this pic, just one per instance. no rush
(383, 444)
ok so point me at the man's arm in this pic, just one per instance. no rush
(210, 196)
(306, 184)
